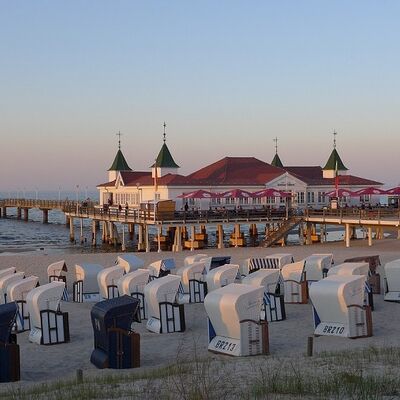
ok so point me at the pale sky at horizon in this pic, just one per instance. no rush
(226, 76)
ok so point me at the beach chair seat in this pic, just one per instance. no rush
(116, 345)
(133, 284)
(17, 292)
(338, 307)
(9, 349)
(392, 281)
(294, 282)
(234, 325)
(130, 262)
(48, 324)
(193, 283)
(7, 280)
(317, 266)
(57, 271)
(273, 305)
(356, 268)
(214, 262)
(107, 280)
(161, 268)
(7, 271)
(221, 276)
(165, 314)
(193, 259)
(85, 285)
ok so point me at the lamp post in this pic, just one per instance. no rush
(59, 193)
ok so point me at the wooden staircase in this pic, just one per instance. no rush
(278, 234)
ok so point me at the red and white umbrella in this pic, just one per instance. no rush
(270, 193)
(370, 191)
(236, 194)
(394, 191)
(341, 193)
(199, 194)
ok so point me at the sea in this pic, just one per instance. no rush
(33, 237)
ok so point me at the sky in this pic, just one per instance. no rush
(226, 76)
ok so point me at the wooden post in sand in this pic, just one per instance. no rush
(131, 230)
(220, 237)
(308, 233)
(123, 247)
(104, 235)
(140, 238)
(236, 234)
(192, 236)
(369, 236)
(71, 230)
(347, 235)
(147, 238)
(94, 232)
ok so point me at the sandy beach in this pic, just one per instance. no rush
(287, 338)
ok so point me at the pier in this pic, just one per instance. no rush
(176, 230)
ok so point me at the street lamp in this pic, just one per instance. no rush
(77, 197)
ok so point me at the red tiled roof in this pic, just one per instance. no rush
(236, 171)
(112, 183)
(314, 176)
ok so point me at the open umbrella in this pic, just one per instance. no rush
(270, 193)
(370, 191)
(341, 193)
(199, 194)
(236, 193)
(394, 191)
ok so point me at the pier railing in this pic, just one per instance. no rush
(380, 213)
(62, 205)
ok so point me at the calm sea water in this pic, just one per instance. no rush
(33, 237)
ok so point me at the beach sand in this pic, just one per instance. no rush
(288, 338)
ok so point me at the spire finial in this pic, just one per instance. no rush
(276, 145)
(164, 134)
(334, 139)
(119, 134)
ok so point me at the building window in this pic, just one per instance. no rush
(300, 197)
(321, 197)
(310, 197)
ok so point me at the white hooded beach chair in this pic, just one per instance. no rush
(85, 286)
(165, 315)
(338, 307)
(107, 279)
(130, 262)
(161, 268)
(392, 281)
(17, 292)
(48, 324)
(133, 284)
(355, 268)
(57, 271)
(192, 259)
(272, 261)
(273, 305)
(6, 280)
(211, 263)
(234, 325)
(7, 271)
(317, 266)
(294, 282)
(193, 283)
(221, 276)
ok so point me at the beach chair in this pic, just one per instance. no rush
(354, 268)
(107, 279)
(194, 286)
(317, 266)
(374, 278)
(165, 314)
(9, 349)
(338, 307)
(48, 324)
(85, 285)
(7, 271)
(116, 345)
(234, 325)
(7, 280)
(192, 259)
(392, 281)
(221, 276)
(273, 261)
(214, 262)
(294, 283)
(130, 262)
(17, 292)
(273, 305)
(57, 271)
(161, 268)
(133, 284)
